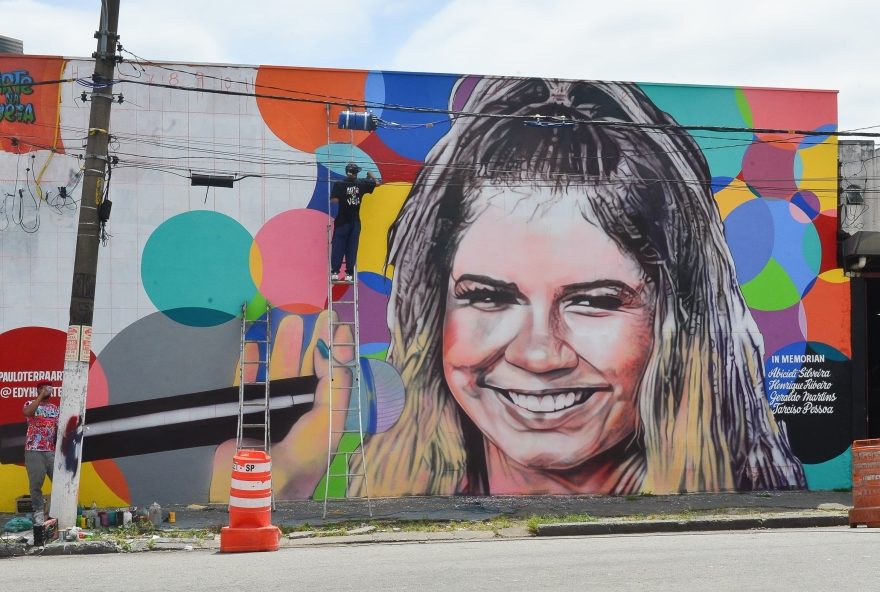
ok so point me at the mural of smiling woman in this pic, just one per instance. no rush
(605, 304)
(546, 335)
(565, 311)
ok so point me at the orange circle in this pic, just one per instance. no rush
(305, 125)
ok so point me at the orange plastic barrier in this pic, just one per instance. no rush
(250, 505)
(866, 483)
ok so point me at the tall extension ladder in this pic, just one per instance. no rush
(339, 474)
(257, 334)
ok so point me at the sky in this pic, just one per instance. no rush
(770, 43)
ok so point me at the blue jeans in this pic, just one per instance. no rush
(345, 244)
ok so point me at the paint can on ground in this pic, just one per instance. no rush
(156, 514)
(172, 517)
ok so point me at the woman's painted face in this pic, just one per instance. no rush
(548, 329)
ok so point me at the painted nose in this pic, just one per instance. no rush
(540, 348)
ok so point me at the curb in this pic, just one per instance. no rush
(13, 550)
(692, 525)
(76, 548)
(393, 537)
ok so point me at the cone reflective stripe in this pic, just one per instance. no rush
(250, 502)
(250, 505)
(251, 485)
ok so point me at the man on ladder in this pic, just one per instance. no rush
(348, 193)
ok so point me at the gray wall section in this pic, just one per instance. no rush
(175, 477)
(158, 357)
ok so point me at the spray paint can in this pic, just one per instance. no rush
(156, 514)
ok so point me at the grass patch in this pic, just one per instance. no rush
(123, 536)
(634, 496)
(532, 522)
(192, 533)
(342, 528)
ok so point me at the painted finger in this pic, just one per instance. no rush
(287, 348)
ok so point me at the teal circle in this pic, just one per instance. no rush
(336, 157)
(196, 268)
(831, 474)
(709, 105)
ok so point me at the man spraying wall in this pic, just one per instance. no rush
(348, 193)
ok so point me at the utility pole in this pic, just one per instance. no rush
(74, 387)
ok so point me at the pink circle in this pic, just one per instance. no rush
(292, 252)
(99, 393)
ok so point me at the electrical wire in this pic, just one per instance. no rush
(766, 184)
(328, 100)
(260, 158)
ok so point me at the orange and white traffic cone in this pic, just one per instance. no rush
(250, 505)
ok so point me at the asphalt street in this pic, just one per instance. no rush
(805, 559)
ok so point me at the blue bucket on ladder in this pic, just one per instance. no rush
(357, 120)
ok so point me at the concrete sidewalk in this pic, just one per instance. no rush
(451, 515)
(463, 508)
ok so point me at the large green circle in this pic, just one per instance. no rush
(196, 268)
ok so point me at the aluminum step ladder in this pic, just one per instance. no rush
(254, 430)
(341, 480)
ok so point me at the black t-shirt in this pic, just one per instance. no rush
(350, 193)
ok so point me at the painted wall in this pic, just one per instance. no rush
(606, 308)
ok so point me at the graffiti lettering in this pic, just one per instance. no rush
(18, 82)
(809, 383)
(18, 392)
(30, 376)
(812, 408)
(12, 86)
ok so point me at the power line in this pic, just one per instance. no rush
(327, 100)
(157, 162)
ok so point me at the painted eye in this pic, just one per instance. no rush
(595, 304)
(486, 298)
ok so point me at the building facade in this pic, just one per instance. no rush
(579, 292)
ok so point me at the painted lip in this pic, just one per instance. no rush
(548, 402)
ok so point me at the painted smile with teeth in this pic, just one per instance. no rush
(547, 401)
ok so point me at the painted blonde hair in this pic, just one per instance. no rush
(705, 424)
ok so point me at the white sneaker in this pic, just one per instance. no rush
(349, 277)
(335, 276)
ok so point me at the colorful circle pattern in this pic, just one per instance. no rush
(196, 268)
(778, 214)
